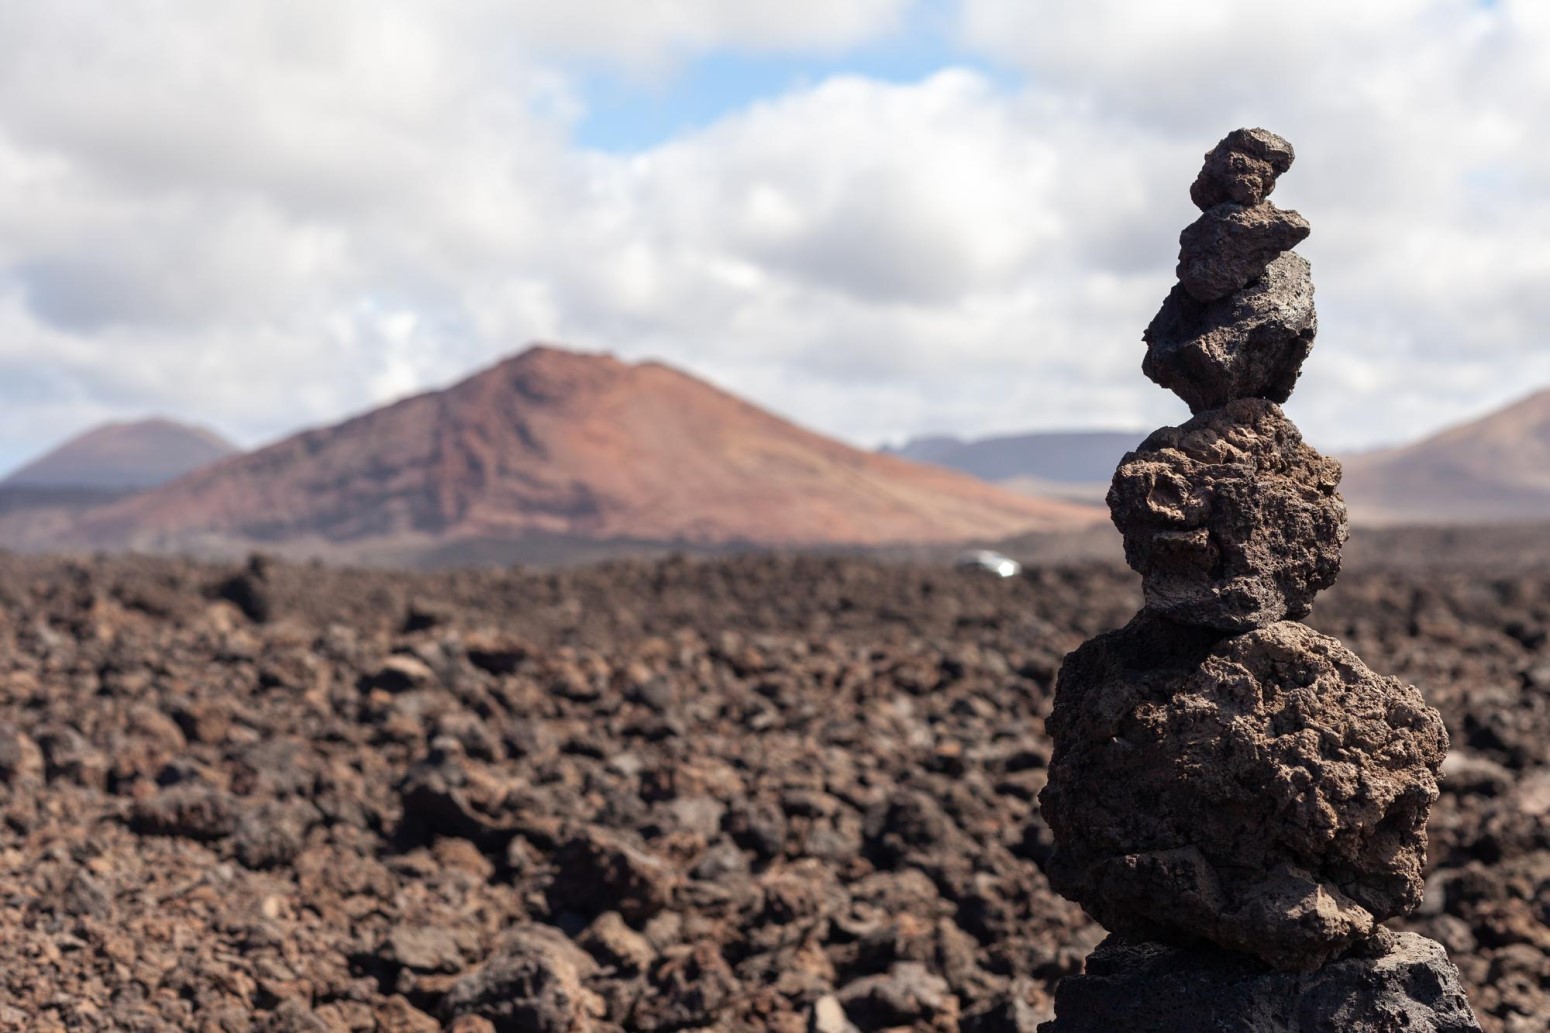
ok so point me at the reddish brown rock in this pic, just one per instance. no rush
(194, 812)
(599, 870)
(1265, 791)
(20, 758)
(812, 693)
(534, 982)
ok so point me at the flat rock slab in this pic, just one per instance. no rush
(1408, 986)
(1229, 247)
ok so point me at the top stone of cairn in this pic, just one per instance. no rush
(1242, 169)
(1240, 322)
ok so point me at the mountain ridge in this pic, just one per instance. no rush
(1056, 456)
(122, 455)
(555, 442)
(1492, 469)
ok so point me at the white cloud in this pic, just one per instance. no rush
(644, 33)
(261, 216)
(1420, 166)
(923, 250)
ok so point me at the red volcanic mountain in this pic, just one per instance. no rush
(553, 442)
(1493, 469)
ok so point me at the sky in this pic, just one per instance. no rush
(880, 218)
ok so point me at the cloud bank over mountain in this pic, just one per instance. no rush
(263, 217)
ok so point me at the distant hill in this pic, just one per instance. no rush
(1089, 493)
(1062, 457)
(1071, 466)
(555, 443)
(1495, 469)
(118, 457)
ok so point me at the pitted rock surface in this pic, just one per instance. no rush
(534, 981)
(1242, 168)
(1250, 344)
(1230, 519)
(1265, 791)
(905, 700)
(1406, 983)
(1229, 246)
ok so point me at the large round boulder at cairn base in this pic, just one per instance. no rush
(1230, 519)
(1400, 983)
(1266, 792)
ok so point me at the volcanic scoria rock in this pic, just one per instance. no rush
(535, 983)
(1231, 521)
(1242, 168)
(598, 870)
(1265, 791)
(1240, 322)
(1230, 246)
(817, 691)
(1249, 344)
(1408, 985)
(1221, 777)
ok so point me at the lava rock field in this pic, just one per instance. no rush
(757, 793)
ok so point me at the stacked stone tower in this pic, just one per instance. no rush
(1237, 798)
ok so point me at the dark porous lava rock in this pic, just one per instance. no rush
(599, 871)
(875, 732)
(1241, 168)
(191, 811)
(534, 983)
(1250, 344)
(1230, 519)
(249, 590)
(1403, 984)
(1266, 791)
(1229, 246)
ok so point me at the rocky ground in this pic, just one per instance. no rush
(745, 794)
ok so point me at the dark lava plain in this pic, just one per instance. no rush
(751, 793)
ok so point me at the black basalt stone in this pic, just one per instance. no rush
(1229, 246)
(1402, 983)
(1250, 344)
(1242, 168)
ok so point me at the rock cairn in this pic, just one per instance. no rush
(1236, 797)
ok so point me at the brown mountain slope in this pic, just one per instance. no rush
(118, 456)
(557, 443)
(1494, 469)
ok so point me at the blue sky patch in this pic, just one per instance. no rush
(625, 115)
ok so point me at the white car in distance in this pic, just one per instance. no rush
(990, 561)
